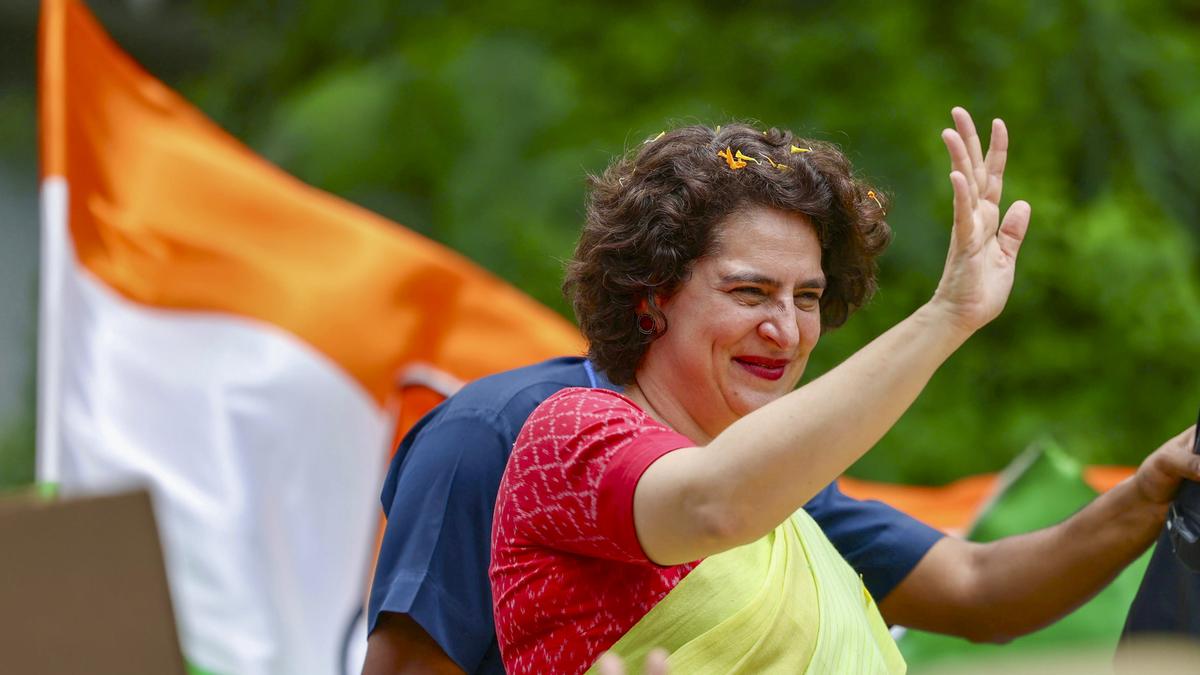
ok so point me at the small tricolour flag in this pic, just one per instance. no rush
(232, 338)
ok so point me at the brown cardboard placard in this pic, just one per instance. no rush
(83, 588)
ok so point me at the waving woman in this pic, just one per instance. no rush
(710, 264)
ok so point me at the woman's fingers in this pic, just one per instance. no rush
(964, 209)
(977, 178)
(994, 163)
(1013, 228)
(960, 161)
(966, 129)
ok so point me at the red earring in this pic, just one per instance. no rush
(645, 324)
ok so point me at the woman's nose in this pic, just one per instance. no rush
(781, 329)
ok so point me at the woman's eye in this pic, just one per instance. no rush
(750, 294)
(808, 300)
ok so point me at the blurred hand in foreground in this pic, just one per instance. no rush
(656, 664)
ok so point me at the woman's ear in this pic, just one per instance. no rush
(654, 300)
(649, 313)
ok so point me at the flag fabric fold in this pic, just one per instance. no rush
(234, 339)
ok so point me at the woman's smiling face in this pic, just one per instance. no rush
(741, 327)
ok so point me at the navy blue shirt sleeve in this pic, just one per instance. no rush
(880, 543)
(434, 556)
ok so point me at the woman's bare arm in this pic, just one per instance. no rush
(698, 501)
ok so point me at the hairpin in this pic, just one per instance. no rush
(651, 140)
(795, 150)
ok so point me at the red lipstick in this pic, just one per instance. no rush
(768, 369)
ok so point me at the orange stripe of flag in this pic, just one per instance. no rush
(172, 212)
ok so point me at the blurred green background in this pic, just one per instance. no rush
(475, 124)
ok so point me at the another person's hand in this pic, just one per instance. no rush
(656, 664)
(1159, 475)
(979, 268)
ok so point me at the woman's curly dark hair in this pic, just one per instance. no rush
(654, 211)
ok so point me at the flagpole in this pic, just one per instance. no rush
(54, 252)
(55, 242)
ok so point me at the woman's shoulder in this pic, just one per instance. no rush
(588, 403)
(591, 396)
(578, 414)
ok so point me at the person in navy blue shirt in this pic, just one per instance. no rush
(430, 606)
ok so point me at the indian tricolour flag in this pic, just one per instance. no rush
(236, 340)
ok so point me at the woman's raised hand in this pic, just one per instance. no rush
(983, 249)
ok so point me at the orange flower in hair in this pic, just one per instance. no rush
(777, 165)
(744, 158)
(734, 163)
(871, 195)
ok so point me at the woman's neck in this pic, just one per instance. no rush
(666, 410)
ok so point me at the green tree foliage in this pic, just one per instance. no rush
(17, 440)
(476, 124)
